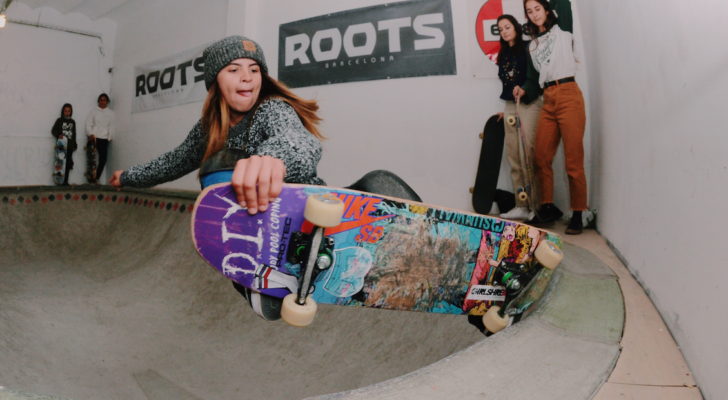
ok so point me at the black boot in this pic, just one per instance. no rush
(575, 225)
(546, 214)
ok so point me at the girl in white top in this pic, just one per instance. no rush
(100, 128)
(552, 63)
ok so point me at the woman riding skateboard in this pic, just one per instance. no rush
(268, 132)
(512, 71)
(552, 63)
(65, 126)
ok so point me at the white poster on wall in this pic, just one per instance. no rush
(171, 81)
(483, 33)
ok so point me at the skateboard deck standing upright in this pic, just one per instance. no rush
(59, 165)
(491, 153)
(92, 161)
(385, 252)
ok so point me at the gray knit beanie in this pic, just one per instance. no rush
(219, 54)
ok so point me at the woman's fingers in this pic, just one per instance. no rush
(277, 176)
(500, 116)
(250, 182)
(237, 181)
(115, 179)
(264, 181)
(257, 181)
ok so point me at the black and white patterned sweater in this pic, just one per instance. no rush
(275, 130)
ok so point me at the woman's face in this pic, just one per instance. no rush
(103, 102)
(240, 84)
(507, 31)
(67, 112)
(536, 13)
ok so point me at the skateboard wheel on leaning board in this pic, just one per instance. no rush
(324, 210)
(296, 314)
(523, 196)
(511, 120)
(548, 255)
(493, 322)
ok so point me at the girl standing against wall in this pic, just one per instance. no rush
(552, 63)
(512, 71)
(65, 126)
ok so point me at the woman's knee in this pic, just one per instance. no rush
(385, 183)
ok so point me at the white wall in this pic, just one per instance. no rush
(147, 31)
(40, 70)
(658, 91)
(423, 129)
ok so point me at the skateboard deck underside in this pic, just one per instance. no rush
(491, 153)
(389, 253)
(59, 164)
(91, 161)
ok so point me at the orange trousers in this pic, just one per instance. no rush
(563, 117)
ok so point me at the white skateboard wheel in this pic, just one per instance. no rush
(296, 314)
(324, 210)
(511, 120)
(523, 196)
(548, 255)
(493, 322)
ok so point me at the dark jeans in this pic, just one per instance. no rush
(102, 147)
(69, 165)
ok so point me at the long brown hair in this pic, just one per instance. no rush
(531, 29)
(216, 113)
(518, 44)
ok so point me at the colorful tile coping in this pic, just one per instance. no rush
(21, 199)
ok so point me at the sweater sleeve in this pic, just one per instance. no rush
(285, 138)
(170, 166)
(532, 87)
(56, 130)
(563, 14)
(90, 124)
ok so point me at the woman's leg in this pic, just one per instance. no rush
(571, 117)
(102, 147)
(69, 165)
(547, 141)
(385, 183)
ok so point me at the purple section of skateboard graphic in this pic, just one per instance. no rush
(244, 247)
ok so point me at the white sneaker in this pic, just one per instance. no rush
(520, 213)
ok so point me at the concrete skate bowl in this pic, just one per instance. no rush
(102, 296)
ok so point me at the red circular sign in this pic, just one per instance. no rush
(487, 17)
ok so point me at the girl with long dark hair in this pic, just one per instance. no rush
(65, 126)
(553, 62)
(512, 71)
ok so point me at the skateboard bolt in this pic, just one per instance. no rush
(323, 261)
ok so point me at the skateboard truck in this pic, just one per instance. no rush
(301, 250)
(547, 255)
(323, 210)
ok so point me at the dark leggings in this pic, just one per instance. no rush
(102, 146)
(69, 165)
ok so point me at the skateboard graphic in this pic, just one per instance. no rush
(59, 165)
(491, 153)
(523, 193)
(318, 244)
(92, 161)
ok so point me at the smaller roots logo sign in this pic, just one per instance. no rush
(486, 24)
